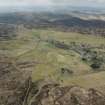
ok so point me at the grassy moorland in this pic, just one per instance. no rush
(64, 57)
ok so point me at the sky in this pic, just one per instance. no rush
(53, 2)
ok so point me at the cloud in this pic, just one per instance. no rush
(26, 2)
(38, 2)
(51, 2)
(80, 1)
(97, 1)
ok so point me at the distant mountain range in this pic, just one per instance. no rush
(74, 21)
(52, 8)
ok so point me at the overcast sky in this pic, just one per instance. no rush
(53, 2)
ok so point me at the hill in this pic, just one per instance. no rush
(83, 23)
(43, 55)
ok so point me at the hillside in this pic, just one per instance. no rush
(64, 58)
(51, 59)
(83, 23)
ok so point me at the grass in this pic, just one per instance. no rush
(71, 37)
(32, 45)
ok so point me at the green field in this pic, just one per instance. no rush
(56, 63)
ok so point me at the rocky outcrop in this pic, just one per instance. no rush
(57, 95)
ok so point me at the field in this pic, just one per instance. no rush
(64, 57)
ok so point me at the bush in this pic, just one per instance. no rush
(97, 62)
(96, 65)
(66, 71)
